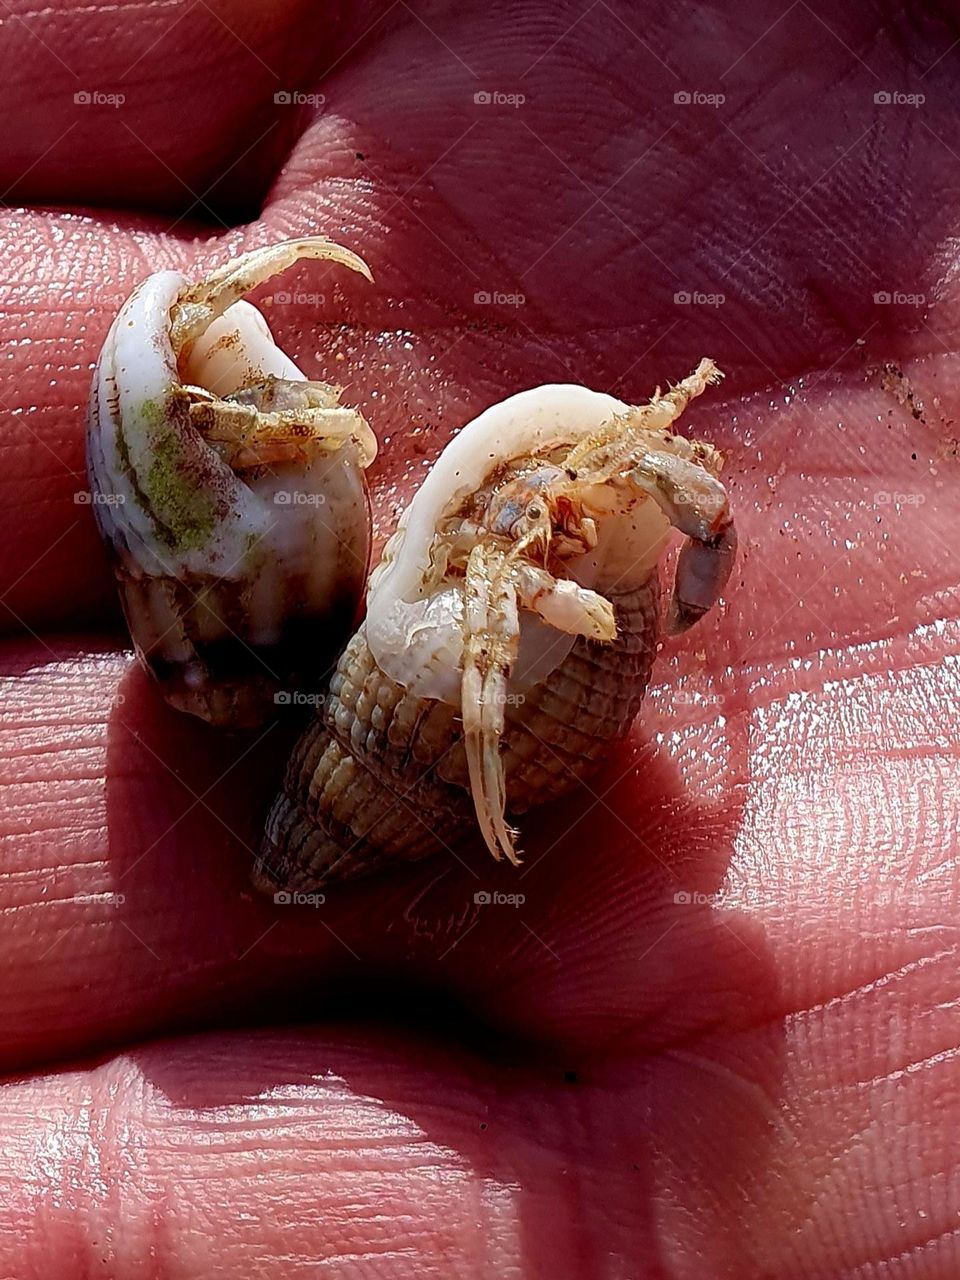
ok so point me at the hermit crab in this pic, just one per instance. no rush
(510, 630)
(230, 490)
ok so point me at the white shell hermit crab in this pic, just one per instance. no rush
(510, 630)
(230, 489)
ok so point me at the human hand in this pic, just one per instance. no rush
(709, 1040)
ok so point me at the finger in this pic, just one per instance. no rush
(162, 106)
(355, 1155)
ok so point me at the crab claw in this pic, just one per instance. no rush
(703, 568)
(695, 503)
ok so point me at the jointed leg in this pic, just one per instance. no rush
(491, 641)
(564, 604)
(199, 304)
(604, 454)
(276, 421)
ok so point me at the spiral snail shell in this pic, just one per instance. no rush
(230, 490)
(510, 630)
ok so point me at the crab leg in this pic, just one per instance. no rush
(603, 454)
(564, 604)
(491, 641)
(199, 304)
(276, 420)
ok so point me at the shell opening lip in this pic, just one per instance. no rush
(538, 419)
(406, 629)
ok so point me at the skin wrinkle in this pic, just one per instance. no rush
(849, 1261)
(751, 1088)
(868, 988)
(869, 1268)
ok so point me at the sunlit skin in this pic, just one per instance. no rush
(732, 980)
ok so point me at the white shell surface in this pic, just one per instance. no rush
(136, 378)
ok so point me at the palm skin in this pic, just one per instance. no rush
(719, 1036)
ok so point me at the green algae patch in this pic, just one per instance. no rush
(174, 486)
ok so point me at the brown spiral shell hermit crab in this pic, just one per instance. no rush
(510, 630)
(230, 490)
